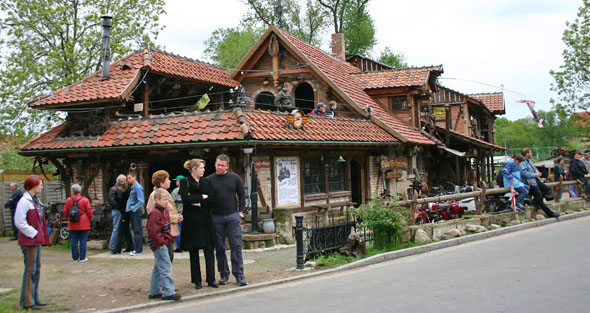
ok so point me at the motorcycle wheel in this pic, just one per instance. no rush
(64, 233)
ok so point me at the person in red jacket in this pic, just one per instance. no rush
(29, 218)
(78, 230)
(160, 240)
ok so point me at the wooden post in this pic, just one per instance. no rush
(476, 198)
(482, 199)
(414, 208)
(560, 188)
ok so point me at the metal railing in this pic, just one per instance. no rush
(324, 233)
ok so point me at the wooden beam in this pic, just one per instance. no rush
(146, 99)
(282, 72)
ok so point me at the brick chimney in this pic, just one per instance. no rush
(338, 46)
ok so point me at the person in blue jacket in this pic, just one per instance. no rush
(512, 179)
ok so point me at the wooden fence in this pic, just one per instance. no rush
(478, 195)
(53, 191)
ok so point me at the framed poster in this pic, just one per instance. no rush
(287, 180)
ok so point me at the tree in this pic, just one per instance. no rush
(388, 57)
(227, 46)
(572, 80)
(558, 130)
(51, 44)
(305, 22)
(351, 18)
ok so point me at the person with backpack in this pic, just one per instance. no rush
(78, 212)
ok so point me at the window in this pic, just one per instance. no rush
(315, 170)
(336, 175)
(398, 103)
(313, 178)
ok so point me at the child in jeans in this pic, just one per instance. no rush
(159, 239)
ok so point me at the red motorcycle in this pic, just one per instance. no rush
(434, 212)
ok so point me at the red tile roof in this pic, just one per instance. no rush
(126, 70)
(272, 126)
(172, 129)
(339, 72)
(494, 101)
(396, 78)
(214, 127)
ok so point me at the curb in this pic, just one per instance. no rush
(365, 262)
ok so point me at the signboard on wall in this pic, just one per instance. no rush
(261, 163)
(287, 181)
(440, 112)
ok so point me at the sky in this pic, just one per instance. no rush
(482, 44)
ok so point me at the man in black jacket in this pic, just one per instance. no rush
(227, 213)
(11, 204)
(580, 173)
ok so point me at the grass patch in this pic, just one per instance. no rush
(64, 246)
(336, 259)
(333, 260)
(9, 301)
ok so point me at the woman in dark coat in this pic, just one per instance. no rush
(197, 227)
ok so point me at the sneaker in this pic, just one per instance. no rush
(223, 280)
(174, 297)
(133, 253)
(85, 260)
(241, 281)
(76, 261)
(156, 296)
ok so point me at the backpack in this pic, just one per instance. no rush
(74, 215)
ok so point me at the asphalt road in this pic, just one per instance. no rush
(544, 269)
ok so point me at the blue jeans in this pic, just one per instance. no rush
(178, 237)
(229, 225)
(29, 294)
(114, 241)
(78, 239)
(162, 273)
(522, 193)
(135, 222)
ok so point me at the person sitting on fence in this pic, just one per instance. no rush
(537, 188)
(573, 193)
(580, 173)
(512, 179)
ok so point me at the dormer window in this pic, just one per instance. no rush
(398, 103)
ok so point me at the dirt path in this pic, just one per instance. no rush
(107, 281)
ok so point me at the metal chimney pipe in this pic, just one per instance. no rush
(107, 22)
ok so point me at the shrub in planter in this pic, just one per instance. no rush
(385, 220)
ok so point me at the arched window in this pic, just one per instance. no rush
(304, 98)
(265, 101)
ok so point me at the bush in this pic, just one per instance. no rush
(385, 220)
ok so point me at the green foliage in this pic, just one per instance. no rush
(50, 44)
(572, 80)
(385, 220)
(358, 29)
(395, 60)
(227, 46)
(11, 160)
(558, 130)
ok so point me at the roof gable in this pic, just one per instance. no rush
(338, 76)
(493, 101)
